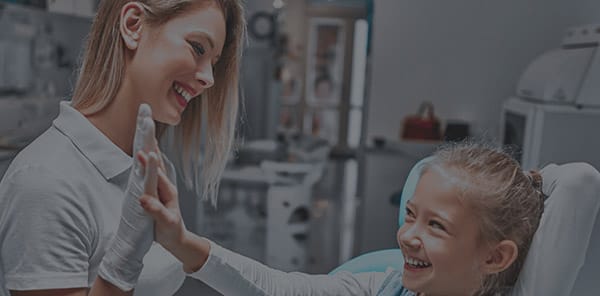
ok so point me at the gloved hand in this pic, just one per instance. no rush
(123, 261)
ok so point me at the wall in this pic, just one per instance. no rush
(465, 56)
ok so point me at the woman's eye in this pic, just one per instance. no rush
(437, 225)
(409, 213)
(198, 48)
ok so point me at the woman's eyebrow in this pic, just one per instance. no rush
(209, 39)
(206, 36)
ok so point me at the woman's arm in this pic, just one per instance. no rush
(100, 288)
(103, 288)
(56, 292)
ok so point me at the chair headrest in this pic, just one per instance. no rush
(564, 257)
(410, 185)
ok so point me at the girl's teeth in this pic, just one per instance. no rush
(418, 263)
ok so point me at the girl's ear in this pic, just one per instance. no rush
(500, 257)
(130, 24)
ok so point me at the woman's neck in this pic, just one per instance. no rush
(117, 121)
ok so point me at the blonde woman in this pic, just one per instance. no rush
(62, 197)
(467, 231)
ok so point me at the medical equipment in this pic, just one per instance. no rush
(263, 212)
(557, 107)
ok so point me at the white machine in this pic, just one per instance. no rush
(556, 114)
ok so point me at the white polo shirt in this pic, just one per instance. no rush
(60, 205)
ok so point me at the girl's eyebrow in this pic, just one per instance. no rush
(436, 214)
(443, 217)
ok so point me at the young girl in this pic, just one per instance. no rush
(467, 231)
(62, 196)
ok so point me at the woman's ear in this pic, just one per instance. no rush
(130, 24)
(500, 257)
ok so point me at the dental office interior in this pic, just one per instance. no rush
(341, 99)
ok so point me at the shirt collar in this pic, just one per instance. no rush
(104, 155)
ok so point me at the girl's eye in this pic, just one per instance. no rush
(198, 48)
(437, 225)
(409, 213)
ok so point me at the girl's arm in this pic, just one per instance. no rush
(232, 274)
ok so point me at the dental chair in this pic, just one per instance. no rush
(564, 257)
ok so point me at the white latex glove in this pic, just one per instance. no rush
(122, 263)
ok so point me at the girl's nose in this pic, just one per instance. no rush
(408, 236)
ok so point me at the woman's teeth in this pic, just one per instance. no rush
(416, 263)
(178, 89)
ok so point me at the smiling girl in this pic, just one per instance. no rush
(468, 228)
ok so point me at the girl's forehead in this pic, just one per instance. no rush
(440, 195)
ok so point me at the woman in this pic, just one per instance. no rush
(61, 197)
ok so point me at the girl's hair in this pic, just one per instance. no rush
(507, 201)
(103, 67)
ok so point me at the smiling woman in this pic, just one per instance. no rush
(172, 63)
(180, 57)
(164, 49)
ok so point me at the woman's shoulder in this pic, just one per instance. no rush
(46, 168)
(45, 177)
(51, 154)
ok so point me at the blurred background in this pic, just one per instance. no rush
(342, 98)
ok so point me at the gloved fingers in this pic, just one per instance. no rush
(151, 178)
(142, 158)
(150, 142)
(144, 135)
(148, 135)
(144, 111)
(168, 170)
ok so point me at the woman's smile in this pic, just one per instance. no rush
(182, 95)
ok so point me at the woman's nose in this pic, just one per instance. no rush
(205, 76)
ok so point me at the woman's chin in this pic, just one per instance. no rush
(170, 119)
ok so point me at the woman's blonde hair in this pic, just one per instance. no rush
(103, 68)
(507, 201)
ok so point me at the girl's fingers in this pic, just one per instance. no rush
(156, 150)
(143, 159)
(167, 192)
(157, 210)
(153, 207)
